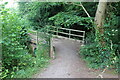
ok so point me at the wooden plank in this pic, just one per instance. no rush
(52, 31)
(72, 30)
(67, 38)
(64, 33)
(68, 34)
(69, 29)
(76, 35)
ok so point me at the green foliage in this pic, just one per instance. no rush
(12, 50)
(98, 55)
(68, 19)
(65, 14)
(32, 65)
(38, 13)
(71, 14)
(16, 59)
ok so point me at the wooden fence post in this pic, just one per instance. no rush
(83, 37)
(51, 48)
(37, 37)
(57, 32)
(69, 33)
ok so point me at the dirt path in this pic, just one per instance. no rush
(68, 63)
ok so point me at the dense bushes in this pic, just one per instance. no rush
(16, 60)
(38, 13)
(57, 13)
(107, 55)
(99, 57)
(12, 50)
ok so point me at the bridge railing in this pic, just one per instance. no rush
(58, 30)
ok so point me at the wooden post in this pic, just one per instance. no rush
(51, 49)
(57, 32)
(52, 53)
(69, 33)
(37, 37)
(83, 37)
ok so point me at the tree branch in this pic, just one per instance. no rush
(83, 9)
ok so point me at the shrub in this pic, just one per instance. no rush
(99, 56)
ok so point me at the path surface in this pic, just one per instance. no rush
(68, 63)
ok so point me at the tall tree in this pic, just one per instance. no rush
(100, 18)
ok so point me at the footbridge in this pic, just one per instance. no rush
(52, 32)
(71, 34)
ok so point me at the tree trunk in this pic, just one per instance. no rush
(99, 19)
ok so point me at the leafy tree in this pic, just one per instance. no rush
(42, 14)
(73, 15)
(103, 51)
(16, 57)
(38, 13)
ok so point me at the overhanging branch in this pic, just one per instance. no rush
(83, 9)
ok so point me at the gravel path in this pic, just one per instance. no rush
(68, 63)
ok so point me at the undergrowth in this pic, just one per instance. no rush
(40, 61)
(16, 61)
(100, 57)
(102, 49)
